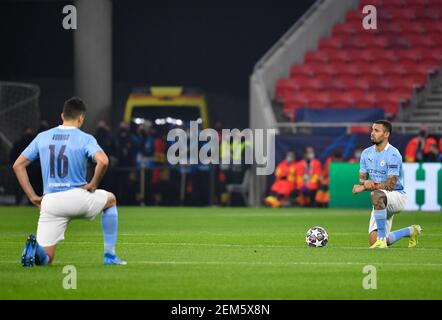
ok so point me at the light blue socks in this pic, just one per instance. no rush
(109, 224)
(399, 234)
(381, 218)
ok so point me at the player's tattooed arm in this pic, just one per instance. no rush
(388, 185)
(363, 176)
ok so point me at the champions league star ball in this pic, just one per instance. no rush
(316, 237)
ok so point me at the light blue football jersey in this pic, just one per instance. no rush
(63, 153)
(379, 165)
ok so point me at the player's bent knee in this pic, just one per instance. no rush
(111, 200)
(378, 199)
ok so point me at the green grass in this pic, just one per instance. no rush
(232, 253)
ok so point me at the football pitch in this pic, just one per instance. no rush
(225, 253)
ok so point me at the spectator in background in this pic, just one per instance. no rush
(440, 145)
(33, 169)
(418, 147)
(123, 146)
(105, 139)
(284, 187)
(356, 155)
(308, 172)
(127, 179)
(323, 195)
(433, 155)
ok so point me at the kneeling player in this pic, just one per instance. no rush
(63, 152)
(381, 173)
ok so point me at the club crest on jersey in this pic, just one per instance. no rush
(382, 163)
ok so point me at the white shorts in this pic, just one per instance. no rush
(395, 203)
(58, 208)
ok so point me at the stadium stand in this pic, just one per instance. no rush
(357, 68)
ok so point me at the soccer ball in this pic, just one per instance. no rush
(316, 237)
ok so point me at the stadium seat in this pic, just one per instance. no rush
(313, 84)
(432, 27)
(370, 41)
(341, 99)
(382, 84)
(427, 14)
(408, 3)
(319, 100)
(376, 3)
(390, 101)
(334, 56)
(300, 69)
(331, 43)
(410, 28)
(411, 54)
(294, 100)
(323, 69)
(354, 15)
(368, 100)
(401, 13)
(345, 29)
(315, 56)
(284, 86)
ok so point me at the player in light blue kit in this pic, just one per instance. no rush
(381, 173)
(63, 152)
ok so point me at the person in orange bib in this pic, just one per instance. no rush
(284, 186)
(308, 172)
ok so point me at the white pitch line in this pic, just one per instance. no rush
(250, 263)
(226, 245)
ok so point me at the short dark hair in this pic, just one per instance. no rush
(73, 108)
(387, 125)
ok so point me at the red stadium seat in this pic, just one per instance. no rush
(432, 27)
(315, 56)
(390, 101)
(374, 41)
(300, 69)
(432, 3)
(392, 28)
(331, 43)
(343, 68)
(377, 69)
(415, 41)
(338, 56)
(410, 28)
(282, 87)
(319, 100)
(411, 54)
(354, 15)
(325, 79)
(300, 77)
(339, 99)
(383, 84)
(295, 100)
(312, 84)
(345, 29)
(365, 100)
(402, 13)
(427, 13)
(376, 3)
(408, 3)
(348, 82)
(323, 69)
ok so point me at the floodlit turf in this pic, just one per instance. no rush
(229, 253)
